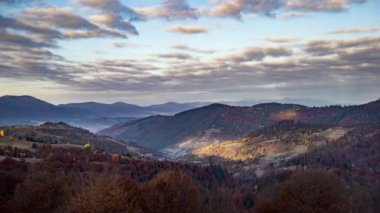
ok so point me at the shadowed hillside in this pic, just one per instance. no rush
(230, 122)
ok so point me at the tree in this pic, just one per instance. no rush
(12, 172)
(314, 191)
(43, 191)
(107, 194)
(171, 192)
(219, 200)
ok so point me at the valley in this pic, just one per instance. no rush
(228, 151)
(247, 141)
(180, 106)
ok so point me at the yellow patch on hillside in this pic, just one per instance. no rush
(333, 133)
(229, 150)
(286, 115)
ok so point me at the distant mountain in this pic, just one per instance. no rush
(30, 110)
(121, 109)
(301, 101)
(118, 109)
(172, 107)
(223, 122)
(15, 110)
(99, 123)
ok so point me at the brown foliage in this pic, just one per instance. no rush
(43, 191)
(107, 194)
(220, 201)
(171, 192)
(309, 191)
(11, 173)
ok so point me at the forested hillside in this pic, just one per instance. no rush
(231, 123)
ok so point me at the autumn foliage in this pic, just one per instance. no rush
(171, 192)
(107, 194)
(74, 180)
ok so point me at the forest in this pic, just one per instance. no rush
(53, 179)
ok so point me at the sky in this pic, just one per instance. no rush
(154, 51)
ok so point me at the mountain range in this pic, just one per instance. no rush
(90, 115)
(249, 141)
(120, 109)
(29, 110)
(179, 128)
(217, 122)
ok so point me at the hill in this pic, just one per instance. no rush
(30, 110)
(62, 133)
(222, 122)
(281, 140)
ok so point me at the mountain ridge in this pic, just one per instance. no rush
(28, 110)
(233, 122)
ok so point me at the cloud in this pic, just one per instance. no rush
(354, 30)
(13, 2)
(289, 15)
(30, 62)
(110, 6)
(236, 8)
(256, 54)
(190, 49)
(113, 14)
(21, 40)
(72, 34)
(56, 17)
(317, 66)
(321, 47)
(351, 68)
(281, 39)
(177, 55)
(43, 33)
(320, 5)
(187, 29)
(170, 9)
(122, 44)
(114, 21)
(66, 24)
(365, 56)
